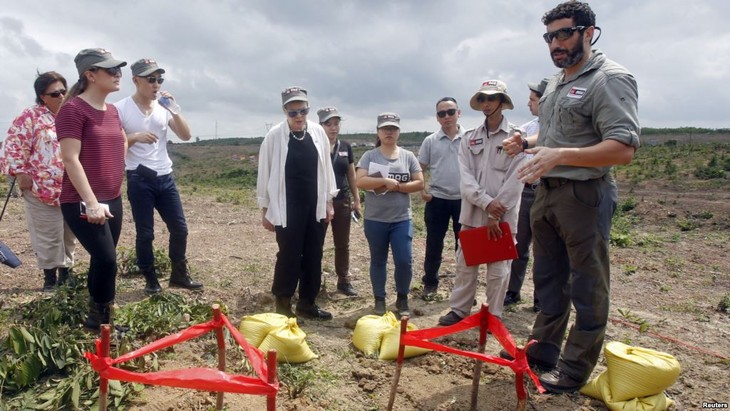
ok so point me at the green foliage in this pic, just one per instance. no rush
(633, 318)
(162, 314)
(127, 261)
(623, 223)
(42, 364)
(296, 378)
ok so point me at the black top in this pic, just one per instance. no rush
(341, 159)
(300, 170)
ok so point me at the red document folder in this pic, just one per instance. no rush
(480, 250)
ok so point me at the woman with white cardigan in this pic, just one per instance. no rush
(294, 189)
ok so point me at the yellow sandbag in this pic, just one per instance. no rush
(635, 372)
(289, 343)
(599, 389)
(635, 378)
(256, 327)
(369, 331)
(391, 340)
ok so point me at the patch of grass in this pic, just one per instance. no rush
(633, 318)
(724, 305)
(127, 261)
(296, 378)
(630, 270)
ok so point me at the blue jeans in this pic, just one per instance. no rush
(160, 193)
(399, 236)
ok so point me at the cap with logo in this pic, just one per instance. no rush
(293, 94)
(388, 119)
(489, 88)
(327, 113)
(539, 88)
(90, 58)
(145, 67)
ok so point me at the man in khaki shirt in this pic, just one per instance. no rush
(490, 194)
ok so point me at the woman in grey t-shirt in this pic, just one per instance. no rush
(389, 174)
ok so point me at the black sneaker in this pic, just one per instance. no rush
(536, 365)
(429, 292)
(401, 304)
(313, 312)
(559, 382)
(450, 319)
(347, 289)
(511, 299)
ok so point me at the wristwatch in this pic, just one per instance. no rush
(525, 144)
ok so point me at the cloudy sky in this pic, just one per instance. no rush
(228, 60)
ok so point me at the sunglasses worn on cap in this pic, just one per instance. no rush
(57, 93)
(112, 71)
(443, 113)
(562, 34)
(153, 79)
(294, 113)
(492, 97)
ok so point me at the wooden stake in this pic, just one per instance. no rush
(399, 364)
(271, 365)
(103, 382)
(221, 353)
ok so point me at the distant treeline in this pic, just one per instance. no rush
(681, 134)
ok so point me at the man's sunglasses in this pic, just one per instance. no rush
(57, 93)
(112, 71)
(492, 97)
(443, 113)
(294, 113)
(562, 34)
(153, 79)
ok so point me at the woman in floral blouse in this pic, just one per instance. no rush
(32, 156)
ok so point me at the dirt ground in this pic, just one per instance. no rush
(672, 283)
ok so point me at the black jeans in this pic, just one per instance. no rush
(437, 214)
(299, 260)
(524, 239)
(147, 195)
(100, 241)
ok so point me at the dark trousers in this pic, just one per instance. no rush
(100, 241)
(341, 238)
(157, 193)
(299, 260)
(571, 225)
(524, 239)
(437, 214)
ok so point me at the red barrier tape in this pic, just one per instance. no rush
(207, 379)
(420, 338)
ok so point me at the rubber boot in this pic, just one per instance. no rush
(401, 304)
(49, 279)
(283, 306)
(63, 275)
(180, 276)
(152, 286)
(379, 306)
(98, 314)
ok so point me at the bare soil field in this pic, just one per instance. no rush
(666, 288)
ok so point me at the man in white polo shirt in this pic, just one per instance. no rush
(150, 182)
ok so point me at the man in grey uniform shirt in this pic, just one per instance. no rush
(588, 123)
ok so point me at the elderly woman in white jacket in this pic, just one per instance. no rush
(295, 188)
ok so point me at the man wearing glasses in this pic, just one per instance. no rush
(490, 193)
(150, 182)
(588, 123)
(439, 153)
